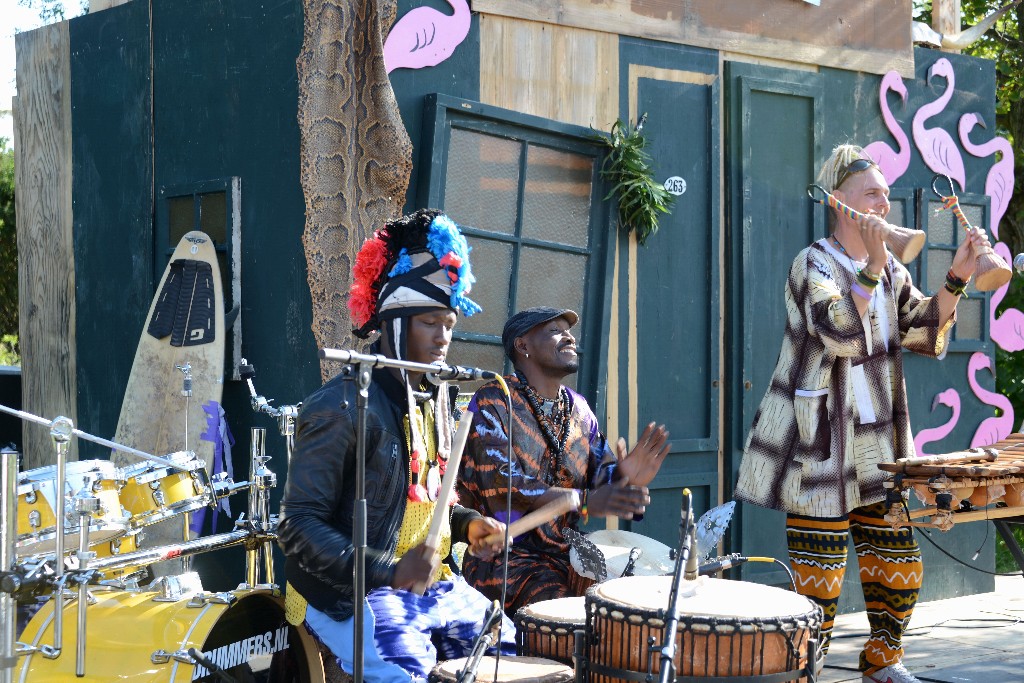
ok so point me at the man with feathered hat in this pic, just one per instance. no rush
(411, 281)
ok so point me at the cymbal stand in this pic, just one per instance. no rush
(186, 391)
(8, 537)
(262, 480)
(85, 505)
(61, 430)
(285, 415)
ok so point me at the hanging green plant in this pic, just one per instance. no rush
(627, 166)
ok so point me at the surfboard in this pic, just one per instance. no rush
(182, 339)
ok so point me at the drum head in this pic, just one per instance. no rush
(615, 545)
(510, 669)
(703, 596)
(557, 611)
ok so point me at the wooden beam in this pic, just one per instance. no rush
(946, 19)
(97, 5)
(871, 35)
(46, 259)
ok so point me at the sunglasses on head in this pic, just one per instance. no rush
(855, 166)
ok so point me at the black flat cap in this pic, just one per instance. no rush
(524, 321)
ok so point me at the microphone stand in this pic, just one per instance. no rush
(687, 535)
(483, 641)
(365, 363)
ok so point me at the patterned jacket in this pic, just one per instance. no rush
(483, 481)
(802, 455)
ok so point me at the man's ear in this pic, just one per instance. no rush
(520, 347)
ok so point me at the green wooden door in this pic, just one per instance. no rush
(674, 376)
(774, 124)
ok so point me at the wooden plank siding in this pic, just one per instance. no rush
(46, 273)
(557, 72)
(871, 36)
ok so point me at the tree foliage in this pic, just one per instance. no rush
(8, 244)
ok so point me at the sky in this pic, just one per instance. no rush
(13, 18)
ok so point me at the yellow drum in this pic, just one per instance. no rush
(39, 506)
(154, 492)
(133, 636)
(121, 545)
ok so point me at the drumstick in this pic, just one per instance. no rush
(565, 503)
(447, 489)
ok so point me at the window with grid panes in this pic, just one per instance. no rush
(212, 207)
(527, 194)
(944, 236)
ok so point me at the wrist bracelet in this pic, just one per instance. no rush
(861, 292)
(955, 285)
(866, 280)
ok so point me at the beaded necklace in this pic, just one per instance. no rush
(556, 436)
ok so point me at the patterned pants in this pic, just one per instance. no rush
(890, 574)
(400, 629)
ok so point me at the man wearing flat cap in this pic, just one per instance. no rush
(557, 447)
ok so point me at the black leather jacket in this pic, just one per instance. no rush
(315, 531)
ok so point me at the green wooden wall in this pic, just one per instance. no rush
(213, 95)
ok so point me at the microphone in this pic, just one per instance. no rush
(721, 563)
(458, 373)
(690, 572)
(1018, 263)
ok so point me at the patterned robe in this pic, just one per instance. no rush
(539, 560)
(837, 402)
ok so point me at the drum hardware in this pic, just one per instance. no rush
(204, 599)
(262, 480)
(171, 588)
(186, 391)
(286, 415)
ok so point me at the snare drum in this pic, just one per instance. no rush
(134, 636)
(154, 492)
(547, 628)
(39, 506)
(726, 628)
(511, 669)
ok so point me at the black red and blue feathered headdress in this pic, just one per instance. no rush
(412, 264)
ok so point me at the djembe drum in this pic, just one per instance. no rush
(726, 629)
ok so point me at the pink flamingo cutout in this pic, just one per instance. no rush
(893, 163)
(426, 37)
(999, 181)
(1008, 329)
(991, 429)
(937, 147)
(950, 397)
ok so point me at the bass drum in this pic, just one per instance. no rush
(137, 636)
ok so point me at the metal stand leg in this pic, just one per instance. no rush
(1003, 527)
(8, 536)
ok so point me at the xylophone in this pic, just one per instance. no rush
(977, 484)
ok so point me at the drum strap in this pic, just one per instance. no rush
(294, 605)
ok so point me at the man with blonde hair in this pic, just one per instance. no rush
(837, 407)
